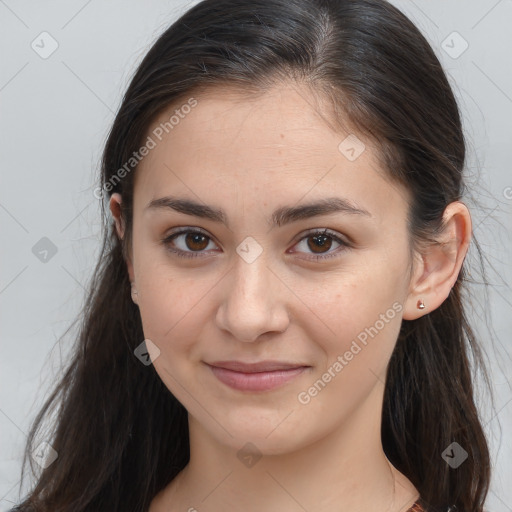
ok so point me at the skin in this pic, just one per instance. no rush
(250, 156)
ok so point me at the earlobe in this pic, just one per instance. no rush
(440, 264)
(115, 208)
(134, 293)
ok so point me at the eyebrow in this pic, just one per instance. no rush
(280, 217)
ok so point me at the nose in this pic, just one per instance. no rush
(254, 302)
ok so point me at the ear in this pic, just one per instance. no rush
(438, 266)
(115, 208)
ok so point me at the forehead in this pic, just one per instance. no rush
(279, 145)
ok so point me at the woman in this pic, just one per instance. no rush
(277, 321)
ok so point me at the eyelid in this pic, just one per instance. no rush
(345, 239)
(337, 237)
(183, 230)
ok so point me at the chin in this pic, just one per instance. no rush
(265, 439)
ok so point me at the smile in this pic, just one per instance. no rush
(256, 381)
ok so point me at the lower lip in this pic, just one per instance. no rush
(260, 381)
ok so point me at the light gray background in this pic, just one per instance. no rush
(55, 114)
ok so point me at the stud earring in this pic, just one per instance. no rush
(421, 304)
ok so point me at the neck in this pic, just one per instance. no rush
(343, 470)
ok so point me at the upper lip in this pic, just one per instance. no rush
(262, 366)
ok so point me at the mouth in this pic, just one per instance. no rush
(261, 366)
(262, 376)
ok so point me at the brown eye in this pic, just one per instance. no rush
(318, 243)
(188, 243)
(196, 241)
(191, 243)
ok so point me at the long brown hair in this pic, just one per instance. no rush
(120, 435)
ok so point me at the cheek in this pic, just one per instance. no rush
(365, 324)
(172, 301)
(172, 310)
(173, 316)
(358, 311)
(363, 335)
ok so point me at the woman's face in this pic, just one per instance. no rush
(256, 284)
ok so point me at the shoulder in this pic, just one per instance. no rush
(417, 507)
(421, 506)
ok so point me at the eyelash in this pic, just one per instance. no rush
(194, 254)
